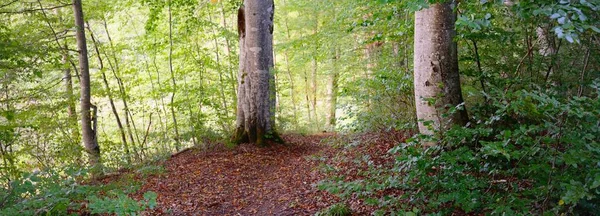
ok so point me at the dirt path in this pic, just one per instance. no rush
(247, 180)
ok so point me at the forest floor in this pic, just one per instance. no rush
(250, 180)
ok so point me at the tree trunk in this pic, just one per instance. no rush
(255, 117)
(88, 133)
(67, 77)
(229, 56)
(436, 78)
(177, 141)
(332, 89)
(122, 91)
(219, 69)
(69, 91)
(315, 69)
(110, 97)
(289, 73)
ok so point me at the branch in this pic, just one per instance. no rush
(8, 4)
(34, 10)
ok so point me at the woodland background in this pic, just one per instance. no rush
(530, 77)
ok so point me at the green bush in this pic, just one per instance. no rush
(527, 152)
(60, 192)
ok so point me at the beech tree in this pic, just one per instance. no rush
(255, 120)
(87, 117)
(436, 76)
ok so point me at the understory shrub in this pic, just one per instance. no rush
(62, 193)
(525, 152)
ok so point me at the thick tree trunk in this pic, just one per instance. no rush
(255, 117)
(436, 78)
(88, 133)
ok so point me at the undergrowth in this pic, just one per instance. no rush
(525, 152)
(66, 192)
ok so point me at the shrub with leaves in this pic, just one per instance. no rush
(536, 153)
(61, 192)
(121, 204)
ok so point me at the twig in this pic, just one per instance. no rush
(34, 10)
(7, 4)
(585, 65)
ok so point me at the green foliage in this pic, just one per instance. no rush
(150, 170)
(60, 193)
(121, 204)
(536, 153)
(338, 209)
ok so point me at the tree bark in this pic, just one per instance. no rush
(88, 133)
(436, 78)
(256, 117)
(332, 89)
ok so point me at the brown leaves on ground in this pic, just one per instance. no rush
(277, 180)
(247, 180)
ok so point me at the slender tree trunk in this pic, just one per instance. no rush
(315, 74)
(68, 81)
(332, 88)
(177, 141)
(371, 53)
(219, 70)
(292, 97)
(110, 97)
(88, 133)
(153, 89)
(69, 91)
(307, 97)
(67, 77)
(122, 90)
(255, 119)
(162, 100)
(436, 78)
(230, 68)
(289, 73)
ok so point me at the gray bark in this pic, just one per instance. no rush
(256, 101)
(88, 134)
(436, 78)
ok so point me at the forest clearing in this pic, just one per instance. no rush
(299, 107)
